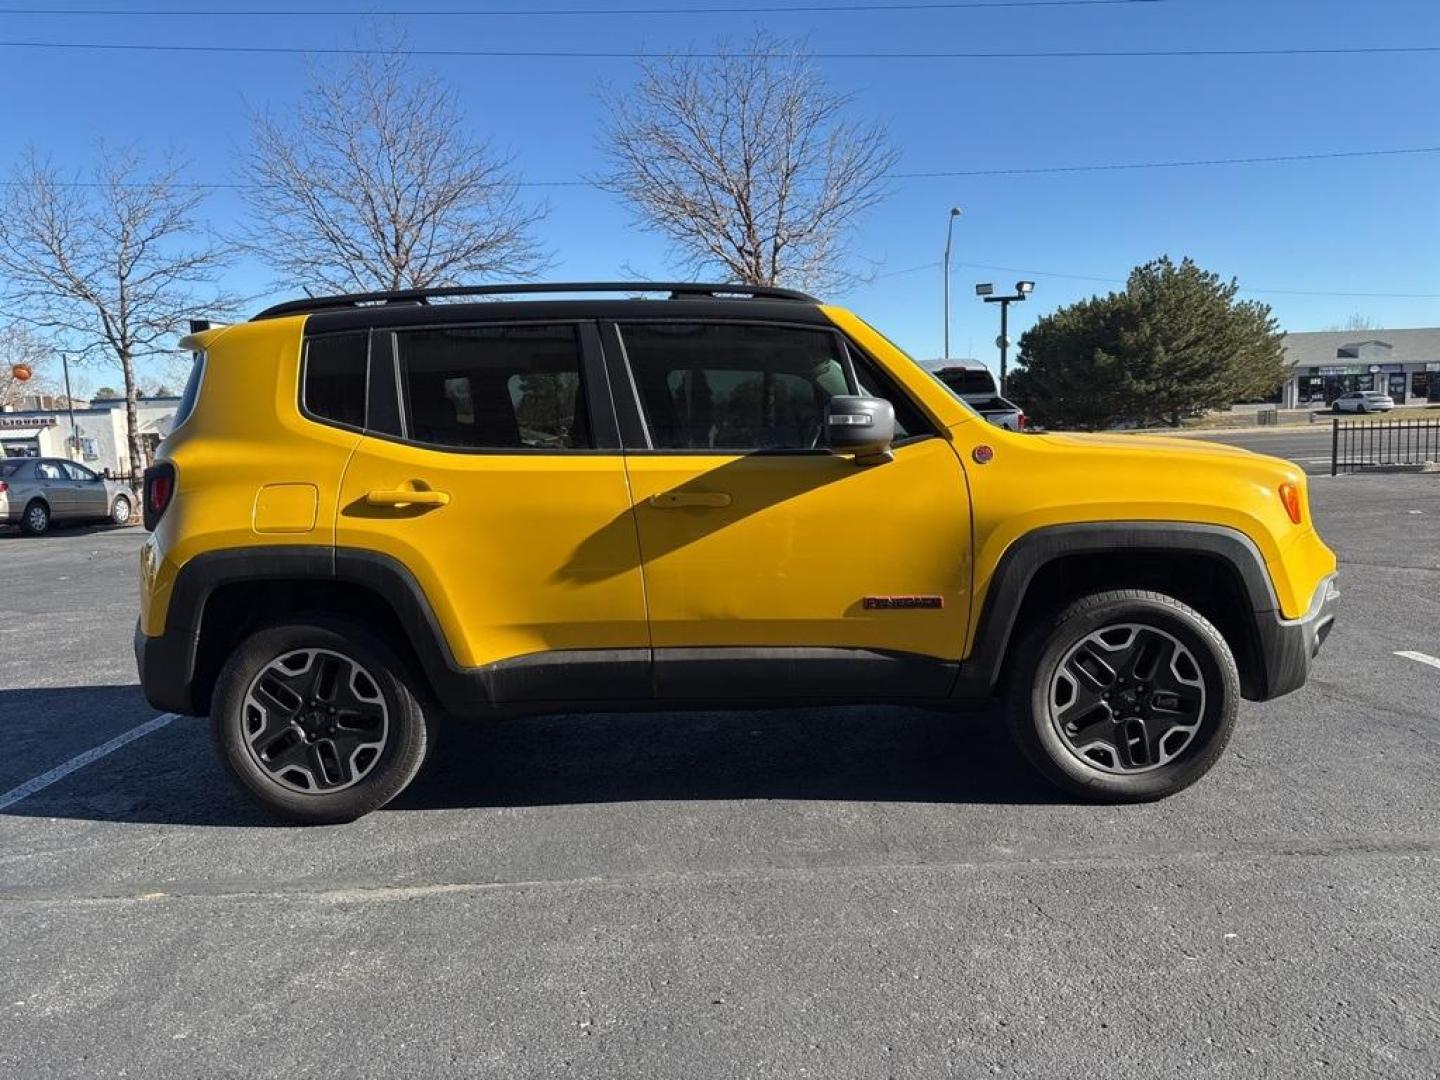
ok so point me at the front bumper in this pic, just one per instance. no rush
(1287, 646)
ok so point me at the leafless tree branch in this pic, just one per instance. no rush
(373, 184)
(116, 269)
(746, 163)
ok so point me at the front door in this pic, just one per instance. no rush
(773, 568)
(502, 489)
(91, 498)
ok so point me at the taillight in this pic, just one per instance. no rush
(1020, 422)
(4, 487)
(1290, 498)
(159, 490)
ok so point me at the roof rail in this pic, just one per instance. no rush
(676, 289)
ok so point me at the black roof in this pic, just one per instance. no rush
(676, 290)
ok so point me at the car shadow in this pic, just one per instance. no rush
(851, 753)
(70, 528)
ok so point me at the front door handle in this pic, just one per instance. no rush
(407, 497)
(670, 500)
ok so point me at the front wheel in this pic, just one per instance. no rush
(1124, 696)
(317, 722)
(120, 510)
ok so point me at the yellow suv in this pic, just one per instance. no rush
(378, 509)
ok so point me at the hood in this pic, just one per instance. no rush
(1168, 443)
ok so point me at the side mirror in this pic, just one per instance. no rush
(863, 426)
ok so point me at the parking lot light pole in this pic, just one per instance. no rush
(986, 292)
(949, 229)
(70, 404)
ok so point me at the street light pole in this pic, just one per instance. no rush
(949, 231)
(986, 292)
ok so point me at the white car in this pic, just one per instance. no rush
(1363, 401)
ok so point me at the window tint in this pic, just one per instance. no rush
(79, 472)
(191, 393)
(10, 468)
(729, 386)
(335, 378)
(494, 387)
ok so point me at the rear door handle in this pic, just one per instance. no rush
(407, 497)
(670, 500)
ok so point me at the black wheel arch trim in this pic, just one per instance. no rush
(981, 671)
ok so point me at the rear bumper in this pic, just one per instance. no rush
(1288, 646)
(165, 664)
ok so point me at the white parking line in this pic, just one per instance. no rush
(1420, 658)
(79, 761)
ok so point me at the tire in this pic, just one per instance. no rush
(1150, 756)
(353, 744)
(120, 510)
(36, 519)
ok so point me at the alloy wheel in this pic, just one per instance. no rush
(315, 721)
(120, 512)
(37, 518)
(1127, 698)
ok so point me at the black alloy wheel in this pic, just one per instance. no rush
(1123, 696)
(318, 721)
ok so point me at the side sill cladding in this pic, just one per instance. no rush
(980, 672)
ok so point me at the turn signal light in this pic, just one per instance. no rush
(1290, 498)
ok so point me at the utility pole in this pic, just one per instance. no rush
(70, 404)
(949, 230)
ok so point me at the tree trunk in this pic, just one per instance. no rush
(132, 419)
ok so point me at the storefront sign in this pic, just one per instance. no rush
(13, 421)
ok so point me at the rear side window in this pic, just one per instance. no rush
(334, 383)
(191, 393)
(494, 387)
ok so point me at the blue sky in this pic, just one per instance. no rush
(1365, 225)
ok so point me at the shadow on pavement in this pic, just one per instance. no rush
(853, 753)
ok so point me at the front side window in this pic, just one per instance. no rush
(494, 387)
(334, 387)
(79, 472)
(733, 386)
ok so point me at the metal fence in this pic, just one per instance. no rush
(1364, 444)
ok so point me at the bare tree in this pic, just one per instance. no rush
(746, 163)
(19, 345)
(115, 268)
(372, 183)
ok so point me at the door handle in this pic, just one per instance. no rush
(670, 500)
(407, 497)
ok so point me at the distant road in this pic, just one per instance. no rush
(1308, 447)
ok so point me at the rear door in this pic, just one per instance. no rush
(774, 568)
(56, 488)
(491, 470)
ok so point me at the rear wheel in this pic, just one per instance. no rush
(36, 519)
(317, 723)
(1124, 696)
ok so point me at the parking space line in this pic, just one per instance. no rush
(79, 761)
(1420, 658)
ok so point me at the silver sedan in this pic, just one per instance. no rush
(36, 491)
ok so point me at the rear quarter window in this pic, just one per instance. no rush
(191, 394)
(333, 387)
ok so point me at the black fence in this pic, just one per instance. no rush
(1367, 444)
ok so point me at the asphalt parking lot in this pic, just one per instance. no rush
(842, 893)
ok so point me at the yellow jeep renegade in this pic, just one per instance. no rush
(378, 509)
